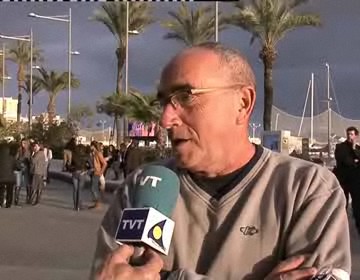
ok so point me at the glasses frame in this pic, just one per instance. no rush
(171, 97)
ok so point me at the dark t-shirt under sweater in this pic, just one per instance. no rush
(216, 187)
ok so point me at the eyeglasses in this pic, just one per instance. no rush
(182, 97)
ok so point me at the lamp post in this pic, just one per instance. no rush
(64, 18)
(30, 39)
(127, 32)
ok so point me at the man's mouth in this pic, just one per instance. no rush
(177, 142)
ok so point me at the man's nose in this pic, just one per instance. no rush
(170, 117)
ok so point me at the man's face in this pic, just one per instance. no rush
(202, 132)
(351, 136)
(36, 148)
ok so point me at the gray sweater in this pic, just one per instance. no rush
(38, 164)
(281, 208)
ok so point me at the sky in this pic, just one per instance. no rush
(300, 53)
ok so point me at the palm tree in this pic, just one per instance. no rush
(269, 21)
(53, 83)
(36, 88)
(113, 16)
(192, 27)
(20, 54)
(144, 108)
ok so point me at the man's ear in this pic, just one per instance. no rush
(246, 104)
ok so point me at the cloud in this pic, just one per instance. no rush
(301, 52)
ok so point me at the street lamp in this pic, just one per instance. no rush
(30, 39)
(132, 32)
(67, 19)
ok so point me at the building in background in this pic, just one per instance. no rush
(8, 108)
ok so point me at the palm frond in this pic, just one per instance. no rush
(192, 27)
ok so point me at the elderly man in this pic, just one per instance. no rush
(243, 211)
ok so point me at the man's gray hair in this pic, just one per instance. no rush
(233, 60)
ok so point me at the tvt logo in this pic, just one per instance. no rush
(132, 224)
(145, 179)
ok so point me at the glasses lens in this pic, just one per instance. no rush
(181, 98)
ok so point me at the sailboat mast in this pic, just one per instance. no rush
(312, 111)
(328, 108)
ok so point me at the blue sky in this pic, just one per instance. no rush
(300, 53)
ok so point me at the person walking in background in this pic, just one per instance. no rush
(79, 172)
(98, 166)
(7, 176)
(48, 159)
(118, 164)
(110, 154)
(22, 170)
(67, 153)
(347, 170)
(38, 172)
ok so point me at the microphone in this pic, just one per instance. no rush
(155, 192)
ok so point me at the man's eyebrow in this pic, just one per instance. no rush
(173, 88)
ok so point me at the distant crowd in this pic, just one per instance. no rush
(25, 166)
(95, 161)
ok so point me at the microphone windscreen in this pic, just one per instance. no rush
(157, 187)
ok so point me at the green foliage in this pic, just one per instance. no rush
(270, 20)
(135, 106)
(81, 115)
(113, 16)
(55, 135)
(113, 104)
(53, 83)
(11, 129)
(36, 87)
(19, 53)
(193, 26)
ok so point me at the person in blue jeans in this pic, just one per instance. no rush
(78, 168)
(22, 170)
(97, 165)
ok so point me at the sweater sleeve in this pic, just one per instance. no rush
(320, 229)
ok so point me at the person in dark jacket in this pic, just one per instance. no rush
(37, 170)
(347, 155)
(79, 173)
(67, 154)
(22, 170)
(7, 176)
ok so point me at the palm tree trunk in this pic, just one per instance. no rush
(120, 54)
(160, 140)
(268, 57)
(51, 108)
(19, 104)
(21, 79)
